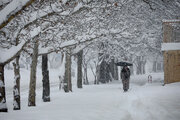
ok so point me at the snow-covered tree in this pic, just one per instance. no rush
(127, 29)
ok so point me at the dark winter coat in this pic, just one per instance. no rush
(125, 76)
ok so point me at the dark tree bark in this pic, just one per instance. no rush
(3, 107)
(16, 88)
(85, 78)
(45, 74)
(32, 85)
(112, 69)
(154, 66)
(104, 72)
(79, 69)
(116, 72)
(67, 78)
(138, 66)
(107, 72)
(98, 75)
(143, 69)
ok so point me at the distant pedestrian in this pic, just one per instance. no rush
(149, 79)
(125, 76)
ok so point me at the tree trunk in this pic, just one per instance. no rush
(138, 66)
(154, 66)
(32, 85)
(112, 69)
(45, 74)
(116, 72)
(3, 107)
(16, 88)
(86, 82)
(96, 81)
(79, 69)
(67, 77)
(143, 70)
(104, 72)
(107, 72)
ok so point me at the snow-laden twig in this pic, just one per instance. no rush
(66, 44)
(8, 13)
(8, 55)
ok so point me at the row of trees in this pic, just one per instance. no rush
(38, 23)
(106, 28)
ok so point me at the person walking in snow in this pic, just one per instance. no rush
(125, 76)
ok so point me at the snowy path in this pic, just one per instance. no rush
(103, 102)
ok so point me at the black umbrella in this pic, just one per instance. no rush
(123, 64)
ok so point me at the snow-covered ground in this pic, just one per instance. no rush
(144, 101)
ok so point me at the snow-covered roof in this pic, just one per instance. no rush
(173, 20)
(170, 46)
